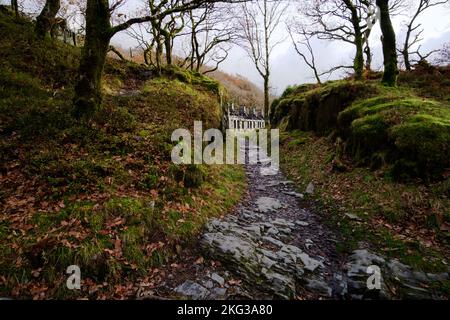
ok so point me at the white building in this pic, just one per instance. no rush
(243, 118)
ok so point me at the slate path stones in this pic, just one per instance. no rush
(395, 277)
(264, 244)
(275, 247)
(266, 204)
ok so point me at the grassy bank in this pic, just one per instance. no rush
(402, 220)
(103, 194)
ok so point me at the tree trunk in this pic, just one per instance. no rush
(358, 62)
(316, 74)
(158, 56)
(389, 45)
(405, 54)
(46, 18)
(168, 45)
(266, 97)
(368, 53)
(15, 7)
(147, 52)
(367, 50)
(88, 95)
(359, 57)
(405, 51)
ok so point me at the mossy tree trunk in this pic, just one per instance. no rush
(389, 45)
(368, 53)
(98, 34)
(358, 63)
(405, 52)
(367, 49)
(15, 7)
(359, 57)
(168, 45)
(46, 18)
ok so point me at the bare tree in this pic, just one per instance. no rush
(144, 35)
(342, 20)
(444, 56)
(170, 30)
(258, 22)
(414, 32)
(99, 31)
(389, 45)
(305, 43)
(211, 31)
(350, 21)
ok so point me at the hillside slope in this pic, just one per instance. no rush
(102, 194)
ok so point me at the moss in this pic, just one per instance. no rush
(425, 141)
(133, 243)
(136, 212)
(116, 119)
(368, 134)
(192, 176)
(317, 109)
(193, 78)
(412, 133)
(150, 179)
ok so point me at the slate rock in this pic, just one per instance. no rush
(192, 290)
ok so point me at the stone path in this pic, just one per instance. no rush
(278, 249)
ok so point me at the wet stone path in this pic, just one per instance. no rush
(273, 248)
(278, 249)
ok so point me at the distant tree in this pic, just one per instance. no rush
(143, 34)
(342, 20)
(171, 29)
(46, 19)
(304, 44)
(389, 45)
(158, 35)
(371, 20)
(211, 32)
(414, 32)
(258, 22)
(444, 56)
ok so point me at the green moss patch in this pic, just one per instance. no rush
(379, 126)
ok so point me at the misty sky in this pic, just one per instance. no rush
(289, 69)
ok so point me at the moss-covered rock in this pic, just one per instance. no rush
(316, 108)
(409, 134)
